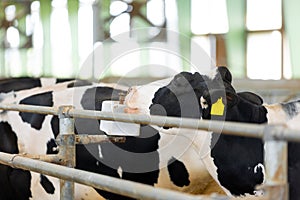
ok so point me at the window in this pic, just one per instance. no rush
(264, 15)
(209, 23)
(266, 46)
(22, 41)
(266, 52)
(264, 55)
(209, 17)
(60, 39)
(85, 29)
(126, 20)
(126, 15)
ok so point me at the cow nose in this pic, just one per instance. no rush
(130, 93)
(130, 99)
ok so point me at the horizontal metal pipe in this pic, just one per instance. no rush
(231, 128)
(29, 108)
(88, 139)
(57, 159)
(123, 187)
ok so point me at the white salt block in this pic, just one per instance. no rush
(117, 128)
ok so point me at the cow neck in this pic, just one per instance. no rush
(257, 113)
(260, 114)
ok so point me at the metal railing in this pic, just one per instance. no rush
(275, 139)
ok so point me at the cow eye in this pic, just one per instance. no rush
(203, 101)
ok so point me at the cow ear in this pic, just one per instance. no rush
(225, 73)
(209, 98)
(251, 97)
(198, 77)
(231, 98)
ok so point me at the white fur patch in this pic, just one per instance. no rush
(203, 103)
(120, 172)
(47, 81)
(140, 97)
(100, 151)
(259, 165)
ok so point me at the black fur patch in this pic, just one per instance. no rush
(79, 83)
(178, 172)
(61, 80)
(55, 126)
(16, 84)
(14, 183)
(251, 97)
(93, 97)
(8, 139)
(36, 120)
(47, 185)
(20, 180)
(235, 158)
(180, 98)
(51, 145)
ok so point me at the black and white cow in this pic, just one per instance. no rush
(181, 161)
(235, 162)
(248, 107)
(16, 183)
(189, 149)
(154, 158)
(289, 115)
(184, 97)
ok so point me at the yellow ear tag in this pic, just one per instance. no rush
(217, 108)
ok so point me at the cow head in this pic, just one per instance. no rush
(192, 95)
(184, 95)
(178, 96)
(241, 106)
(181, 97)
(220, 92)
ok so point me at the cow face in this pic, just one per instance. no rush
(240, 107)
(219, 96)
(192, 95)
(180, 98)
(238, 160)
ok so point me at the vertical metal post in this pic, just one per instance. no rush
(66, 150)
(276, 165)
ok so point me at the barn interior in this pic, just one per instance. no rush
(143, 40)
(133, 42)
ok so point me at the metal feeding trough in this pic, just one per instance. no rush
(117, 128)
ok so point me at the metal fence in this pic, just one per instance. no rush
(275, 160)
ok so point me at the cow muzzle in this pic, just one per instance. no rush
(131, 101)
